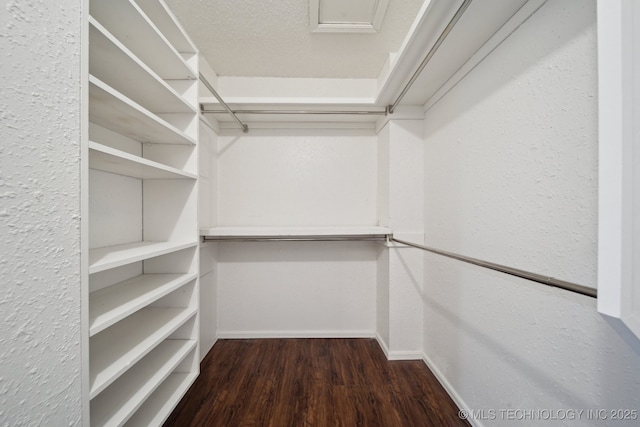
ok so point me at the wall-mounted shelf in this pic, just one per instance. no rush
(114, 64)
(107, 159)
(127, 21)
(101, 259)
(155, 410)
(118, 348)
(112, 304)
(296, 233)
(121, 399)
(115, 111)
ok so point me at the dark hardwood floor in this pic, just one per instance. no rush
(312, 382)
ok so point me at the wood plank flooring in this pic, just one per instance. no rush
(312, 382)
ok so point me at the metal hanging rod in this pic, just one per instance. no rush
(204, 80)
(335, 112)
(388, 110)
(391, 108)
(545, 280)
(342, 238)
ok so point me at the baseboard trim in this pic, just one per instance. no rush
(294, 334)
(450, 390)
(397, 355)
(383, 345)
(404, 355)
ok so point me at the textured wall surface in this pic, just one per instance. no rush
(511, 174)
(39, 213)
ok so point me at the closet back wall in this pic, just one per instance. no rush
(297, 177)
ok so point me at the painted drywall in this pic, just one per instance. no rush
(510, 177)
(40, 337)
(400, 206)
(297, 177)
(302, 289)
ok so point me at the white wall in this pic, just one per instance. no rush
(297, 177)
(40, 213)
(511, 177)
(400, 206)
(301, 289)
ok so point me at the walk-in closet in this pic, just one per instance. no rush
(320, 212)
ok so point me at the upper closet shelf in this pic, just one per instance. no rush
(107, 159)
(113, 63)
(159, 13)
(296, 233)
(112, 110)
(128, 22)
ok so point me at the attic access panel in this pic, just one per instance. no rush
(339, 16)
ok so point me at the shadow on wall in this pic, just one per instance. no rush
(527, 57)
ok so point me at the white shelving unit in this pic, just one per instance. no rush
(284, 232)
(143, 284)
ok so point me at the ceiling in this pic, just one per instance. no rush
(273, 38)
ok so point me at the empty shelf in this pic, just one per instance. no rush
(111, 62)
(112, 304)
(101, 259)
(159, 405)
(113, 110)
(310, 232)
(118, 348)
(116, 404)
(107, 159)
(131, 26)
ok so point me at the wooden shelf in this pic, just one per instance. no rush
(112, 304)
(113, 110)
(126, 20)
(159, 405)
(115, 350)
(116, 404)
(101, 259)
(107, 159)
(293, 232)
(114, 64)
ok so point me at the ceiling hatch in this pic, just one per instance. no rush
(352, 16)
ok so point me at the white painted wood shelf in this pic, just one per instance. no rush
(128, 22)
(156, 410)
(117, 66)
(159, 13)
(116, 404)
(118, 348)
(107, 159)
(108, 257)
(112, 304)
(295, 232)
(140, 335)
(115, 111)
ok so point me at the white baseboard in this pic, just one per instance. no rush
(383, 345)
(450, 390)
(397, 355)
(404, 355)
(294, 334)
